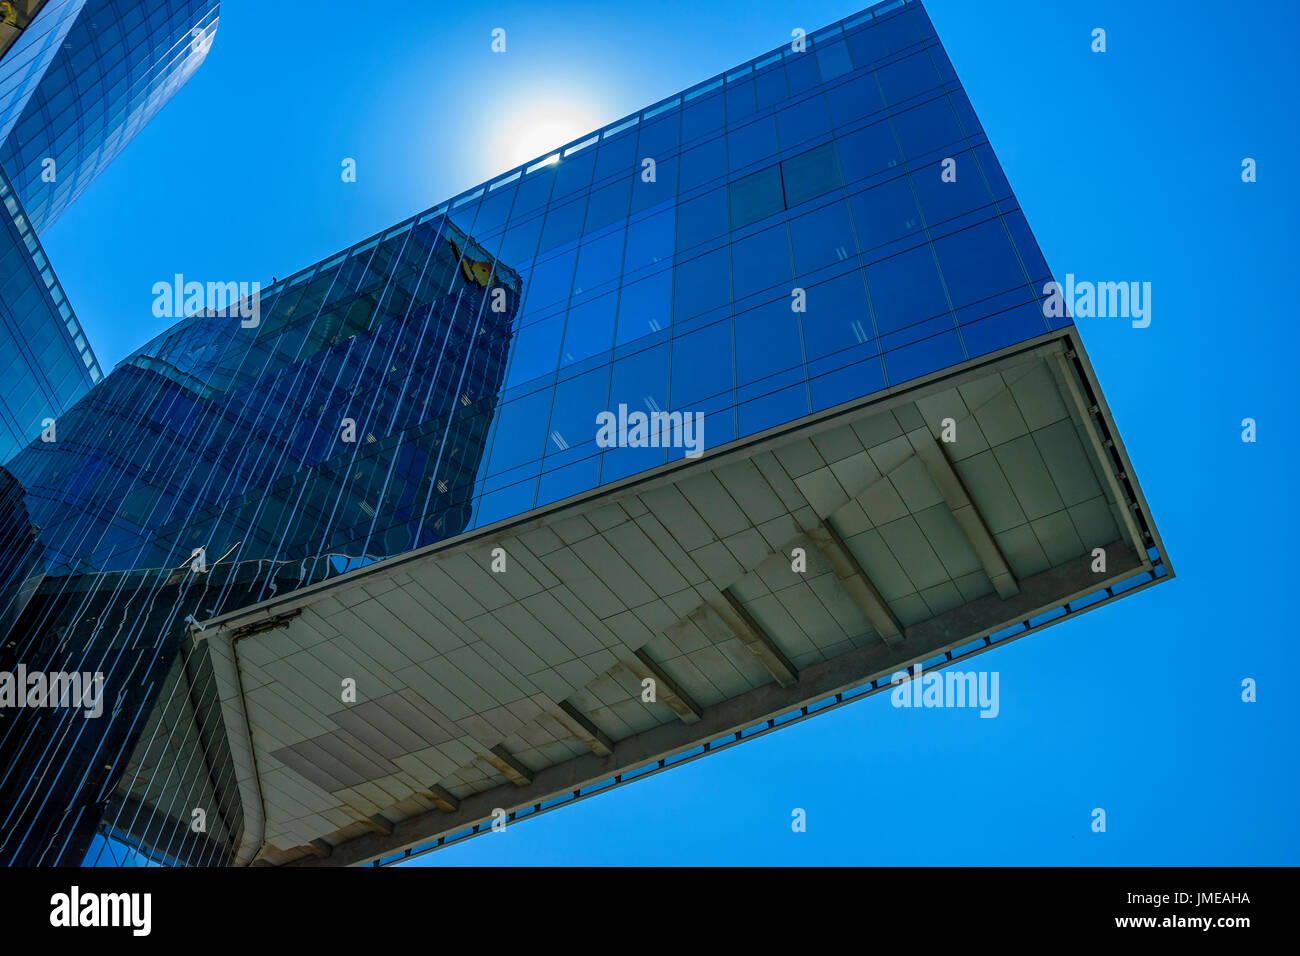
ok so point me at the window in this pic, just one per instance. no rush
(769, 85)
(520, 243)
(650, 240)
(978, 263)
(702, 116)
(702, 219)
(701, 364)
(551, 281)
(905, 290)
(801, 122)
(767, 341)
(521, 427)
(755, 197)
(822, 237)
(609, 204)
(927, 128)
(942, 201)
(866, 46)
(574, 173)
(854, 99)
(833, 59)
(751, 143)
(645, 307)
(563, 224)
(703, 164)
(617, 155)
(598, 261)
(536, 350)
(662, 189)
(868, 151)
(573, 417)
(811, 174)
(703, 283)
(659, 137)
(885, 213)
(908, 77)
(589, 330)
(836, 317)
(740, 99)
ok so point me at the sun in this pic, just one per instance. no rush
(532, 133)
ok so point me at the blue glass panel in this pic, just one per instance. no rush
(905, 290)
(751, 143)
(822, 237)
(650, 240)
(767, 341)
(701, 219)
(590, 330)
(702, 364)
(645, 307)
(761, 261)
(885, 213)
(802, 122)
(756, 196)
(702, 283)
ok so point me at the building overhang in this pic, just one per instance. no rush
(783, 574)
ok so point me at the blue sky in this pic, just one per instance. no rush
(1127, 165)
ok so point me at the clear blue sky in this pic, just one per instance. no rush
(1128, 167)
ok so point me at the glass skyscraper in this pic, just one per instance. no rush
(77, 82)
(82, 80)
(818, 234)
(46, 363)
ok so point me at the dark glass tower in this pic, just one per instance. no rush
(350, 422)
(777, 250)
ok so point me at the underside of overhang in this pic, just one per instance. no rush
(777, 576)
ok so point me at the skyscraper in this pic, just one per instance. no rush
(82, 80)
(46, 364)
(78, 79)
(710, 420)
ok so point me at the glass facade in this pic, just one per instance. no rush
(78, 79)
(774, 242)
(46, 363)
(15, 17)
(82, 80)
(29, 53)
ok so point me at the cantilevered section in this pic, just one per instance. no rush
(681, 611)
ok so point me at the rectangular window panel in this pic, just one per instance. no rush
(811, 174)
(756, 197)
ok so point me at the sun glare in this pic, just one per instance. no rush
(535, 132)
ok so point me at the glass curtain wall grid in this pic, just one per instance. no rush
(46, 364)
(90, 76)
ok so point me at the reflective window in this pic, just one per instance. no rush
(756, 196)
(761, 261)
(811, 174)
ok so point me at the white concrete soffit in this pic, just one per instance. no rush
(683, 575)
